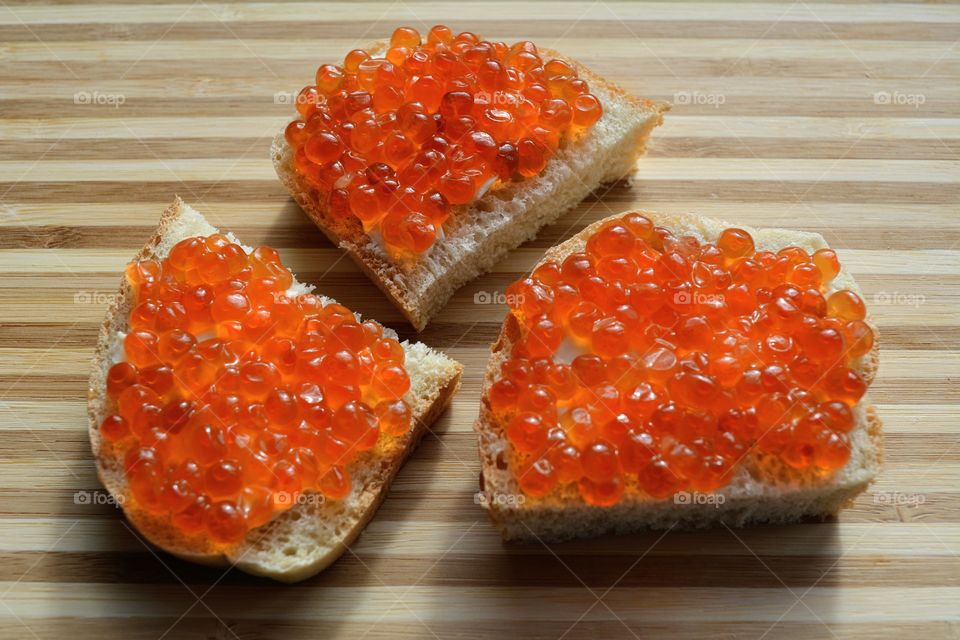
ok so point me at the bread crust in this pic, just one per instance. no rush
(254, 554)
(417, 289)
(762, 494)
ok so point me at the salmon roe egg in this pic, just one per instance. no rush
(234, 399)
(399, 140)
(653, 363)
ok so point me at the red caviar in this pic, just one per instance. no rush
(235, 397)
(687, 357)
(397, 140)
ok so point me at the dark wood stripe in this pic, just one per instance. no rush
(509, 570)
(746, 190)
(719, 146)
(264, 104)
(292, 72)
(300, 233)
(201, 625)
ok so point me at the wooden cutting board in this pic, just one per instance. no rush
(837, 118)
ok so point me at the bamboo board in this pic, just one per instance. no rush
(837, 118)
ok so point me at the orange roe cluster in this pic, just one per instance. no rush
(235, 397)
(689, 357)
(398, 140)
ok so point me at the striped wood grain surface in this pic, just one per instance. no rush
(837, 118)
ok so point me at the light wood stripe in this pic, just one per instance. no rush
(107, 50)
(81, 261)
(92, 535)
(753, 94)
(560, 11)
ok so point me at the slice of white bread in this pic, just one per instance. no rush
(306, 538)
(761, 490)
(477, 235)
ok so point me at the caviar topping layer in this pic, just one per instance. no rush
(687, 359)
(398, 140)
(234, 398)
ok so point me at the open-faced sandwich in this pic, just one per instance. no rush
(661, 371)
(427, 159)
(240, 419)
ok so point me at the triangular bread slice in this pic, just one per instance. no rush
(306, 538)
(757, 493)
(478, 235)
